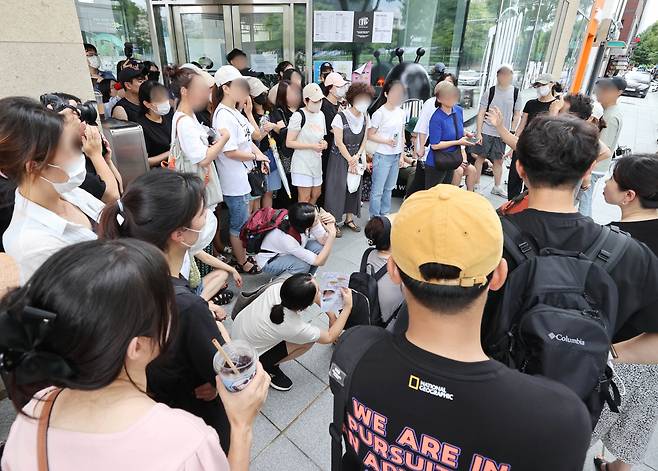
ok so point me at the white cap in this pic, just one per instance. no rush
(206, 76)
(256, 87)
(313, 92)
(334, 78)
(597, 110)
(226, 74)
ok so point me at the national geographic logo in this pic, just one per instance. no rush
(419, 385)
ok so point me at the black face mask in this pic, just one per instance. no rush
(261, 99)
(154, 75)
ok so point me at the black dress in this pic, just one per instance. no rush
(329, 110)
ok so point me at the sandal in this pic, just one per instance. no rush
(223, 297)
(600, 465)
(352, 226)
(339, 233)
(254, 270)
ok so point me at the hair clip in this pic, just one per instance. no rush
(120, 218)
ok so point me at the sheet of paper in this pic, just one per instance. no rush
(382, 31)
(333, 26)
(265, 63)
(331, 299)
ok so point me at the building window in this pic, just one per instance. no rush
(108, 24)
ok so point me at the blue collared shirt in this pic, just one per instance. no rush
(442, 128)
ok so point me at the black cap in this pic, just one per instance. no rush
(612, 82)
(234, 53)
(127, 74)
(325, 66)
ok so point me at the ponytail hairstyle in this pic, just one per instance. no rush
(381, 99)
(297, 293)
(181, 77)
(70, 325)
(154, 206)
(639, 172)
(301, 216)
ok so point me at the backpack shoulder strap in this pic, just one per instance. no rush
(608, 248)
(516, 98)
(351, 347)
(364, 259)
(492, 93)
(380, 273)
(517, 246)
(301, 112)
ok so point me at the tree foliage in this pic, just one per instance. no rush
(646, 52)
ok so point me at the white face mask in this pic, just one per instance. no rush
(340, 92)
(206, 234)
(362, 105)
(76, 172)
(543, 91)
(162, 108)
(94, 61)
(314, 107)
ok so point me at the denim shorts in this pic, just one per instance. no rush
(238, 212)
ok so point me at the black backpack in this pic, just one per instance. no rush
(492, 93)
(285, 150)
(351, 346)
(558, 314)
(365, 295)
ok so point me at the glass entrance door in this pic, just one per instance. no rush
(203, 35)
(264, 33)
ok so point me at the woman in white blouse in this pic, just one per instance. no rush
(37, 153)
(238, 157)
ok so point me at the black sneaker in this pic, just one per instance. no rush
(280, 381)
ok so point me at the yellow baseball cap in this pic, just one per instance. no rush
(449, 226)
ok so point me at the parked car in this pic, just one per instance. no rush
(470, 78)
(637, 83)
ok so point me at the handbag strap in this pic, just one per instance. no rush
(42, 429)
(454, 121)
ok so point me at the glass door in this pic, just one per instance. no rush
(203, 35)
(265, 33)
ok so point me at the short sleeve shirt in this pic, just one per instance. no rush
(193, 137)
(355, 122)
(307, 161)
(503, 99)
(254, 324)
(443, 128)
(233, 173)
(389, 125)
(610, 134)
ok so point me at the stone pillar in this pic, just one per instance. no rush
(41, 49)
(565, 18)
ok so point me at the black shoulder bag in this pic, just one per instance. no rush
(449, 160)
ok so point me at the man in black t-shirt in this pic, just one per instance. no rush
(554, 155)
(128, 109)
(431, 399)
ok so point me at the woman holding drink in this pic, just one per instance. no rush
(93, 345)
(168, 210)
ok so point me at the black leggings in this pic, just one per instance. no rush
(435, 177)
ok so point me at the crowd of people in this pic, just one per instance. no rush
(107, 334)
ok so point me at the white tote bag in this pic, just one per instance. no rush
(354, 179)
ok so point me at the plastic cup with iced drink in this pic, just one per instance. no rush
(245, 359)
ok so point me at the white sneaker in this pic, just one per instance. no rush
(498, 191)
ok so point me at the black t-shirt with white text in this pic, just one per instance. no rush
(411, 409)
(636, 274)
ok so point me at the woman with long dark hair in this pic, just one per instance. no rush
(168, 210)
(76, 342)
(155, 120)
(38, 155)
(273, 324)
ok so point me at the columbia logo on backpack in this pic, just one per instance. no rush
(566, 339)
(558, 314)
